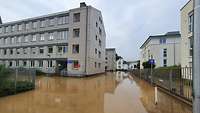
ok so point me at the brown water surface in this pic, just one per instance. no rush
(109, 93)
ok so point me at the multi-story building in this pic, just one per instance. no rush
(111, 64)
(187, 23)
(164, 49)
(72, 40)
(122, 64)
(133, 64)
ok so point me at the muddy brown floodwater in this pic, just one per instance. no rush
(110, 93)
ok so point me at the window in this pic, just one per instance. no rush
(41, 50)
(7, 29)
(10, 64)
(12, 40)
(164, 52)
(26, 38)
(33, 50)
(163, 41)
(99, 42)
(42, 37)
(1, 30)
(76, 32)
(95, 64)
(13, 28)
(76, 17)
(34, 38)
(50, 63)
(96, 24)
(19, 27)
(62, 49)
(18, 51)
(51, 36)
(63, 20)
(42, 23)
(34, 25)
(95, 50)
(32, 63)
(191, 22)
(7, 41)
(50, 49)
(40, 63)
(165, 63)
(99, 65)
(96, 37)
(51, 21)
(24, 63)
(75, 48)
(191, 46)
(27, 26)
(11, 51)
(62, 35)
(5, 51)
(100, 31)
(18, 39)
(17, 63)
(99, 55)
(76, 64)
(100, 20)
(25, 50)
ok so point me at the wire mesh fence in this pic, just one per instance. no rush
(16, 80)
(175, 80)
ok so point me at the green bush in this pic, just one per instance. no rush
(39, 72)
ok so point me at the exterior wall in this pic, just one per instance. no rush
(111, 60)
(155, 49)
(132, 65)
(86, 41)
(120, 64)
(186, 59)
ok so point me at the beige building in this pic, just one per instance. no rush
(187, 18)
(70, 42)
(164, 49)
(111, 63)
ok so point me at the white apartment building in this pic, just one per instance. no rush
(121, 65)
(72, 41)
(164, 49)
(111, 64)
(132, 64)
(187, 24)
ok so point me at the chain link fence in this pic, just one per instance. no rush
(176, 80)
(16, 80)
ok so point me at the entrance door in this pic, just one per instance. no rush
(61, 65)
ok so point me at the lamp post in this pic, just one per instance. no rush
(196, 58)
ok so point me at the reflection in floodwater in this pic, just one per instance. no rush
(111, 93)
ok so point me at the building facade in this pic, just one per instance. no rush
(122, 64)
(133, 64)
(72, 41)
(164, 49)
(111, 64)
(187, 24)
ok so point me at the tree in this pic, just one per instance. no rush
(118, 57)
(148, 65)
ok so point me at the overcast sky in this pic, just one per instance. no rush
(128, 23)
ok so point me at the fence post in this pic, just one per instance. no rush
(170, 79)
(16, 74)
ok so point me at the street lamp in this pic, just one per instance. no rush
(196, 58)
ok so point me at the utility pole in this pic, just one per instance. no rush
(196, 58)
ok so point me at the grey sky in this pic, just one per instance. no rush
(128, 22)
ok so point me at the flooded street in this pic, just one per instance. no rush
(110, 93)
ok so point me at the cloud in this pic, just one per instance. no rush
(127, 23)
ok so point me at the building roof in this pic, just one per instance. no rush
(110, 49)
(168, 34)
(186, 4)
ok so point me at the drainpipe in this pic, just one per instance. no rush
(196, 58)
(86, 40)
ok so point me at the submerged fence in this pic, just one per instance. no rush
(175, 80)
(16, 80)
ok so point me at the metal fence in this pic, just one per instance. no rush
(15, 80)
(175, 80)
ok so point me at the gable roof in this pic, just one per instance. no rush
(172, 33)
